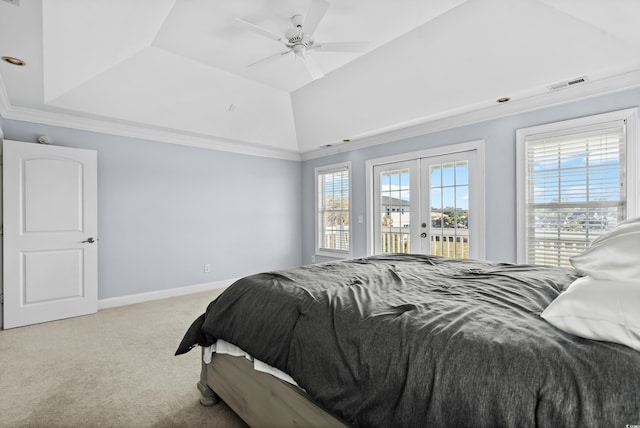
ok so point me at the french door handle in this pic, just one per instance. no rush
(89, 241)
(423, 235)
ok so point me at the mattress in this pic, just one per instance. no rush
(226, 348)
(410, 340)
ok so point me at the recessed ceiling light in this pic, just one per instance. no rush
(14, 61)
(503, 100)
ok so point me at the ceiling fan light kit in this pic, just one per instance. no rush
(299, 39)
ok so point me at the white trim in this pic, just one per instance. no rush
(369, 206)
(522, 195)
(482, 112)
(122, 129)
(427, 153)
(146, 133)
(476, 145)
(633, 162)
(131, 299)
(567, 125)
(323, 170)
(481, 205)
(467, 115)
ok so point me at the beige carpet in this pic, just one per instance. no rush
(112, 369)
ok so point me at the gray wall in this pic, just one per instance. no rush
(165, 210)
(500, 151)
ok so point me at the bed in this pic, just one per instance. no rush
(413, 340)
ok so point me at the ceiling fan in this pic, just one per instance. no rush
(299, 39)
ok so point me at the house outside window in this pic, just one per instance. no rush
(576, 181)
(333, 210)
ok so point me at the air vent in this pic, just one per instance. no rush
(568, 83)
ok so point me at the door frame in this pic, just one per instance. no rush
(479, 186)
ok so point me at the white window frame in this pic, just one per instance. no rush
(630, 116)
(479, 179)
(327, 252)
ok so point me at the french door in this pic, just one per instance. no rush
(429, 205)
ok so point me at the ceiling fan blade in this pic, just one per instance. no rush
(270, 58)
(314, 15)
(263, 32)
(312, 67)
(341, 47)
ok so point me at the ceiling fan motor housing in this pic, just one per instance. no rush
(294, 35)
(297, 40)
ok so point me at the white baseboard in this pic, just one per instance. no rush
(131, 299)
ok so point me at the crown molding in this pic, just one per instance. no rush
(447, 120)
(146, 133)
(7, 111)
(482, 112)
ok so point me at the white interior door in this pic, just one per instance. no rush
(50, 233)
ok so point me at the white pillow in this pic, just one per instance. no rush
(615, 255)
(600, 310)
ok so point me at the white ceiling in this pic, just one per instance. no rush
(176, 70)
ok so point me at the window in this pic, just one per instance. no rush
(333, 193)
(576, 182)
(449, 208)
(394, 183)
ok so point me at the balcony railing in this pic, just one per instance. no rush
(446, 242)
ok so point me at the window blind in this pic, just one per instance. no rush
(333, 210)
(575, 190)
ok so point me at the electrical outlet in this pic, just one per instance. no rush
(207, 268)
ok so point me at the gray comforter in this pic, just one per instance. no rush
(407, 341)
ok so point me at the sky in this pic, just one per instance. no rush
(590, 176)
(449, 185)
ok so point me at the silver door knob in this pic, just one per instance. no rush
(90, 241)
(423, 235)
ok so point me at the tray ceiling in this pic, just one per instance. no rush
(176, 70)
